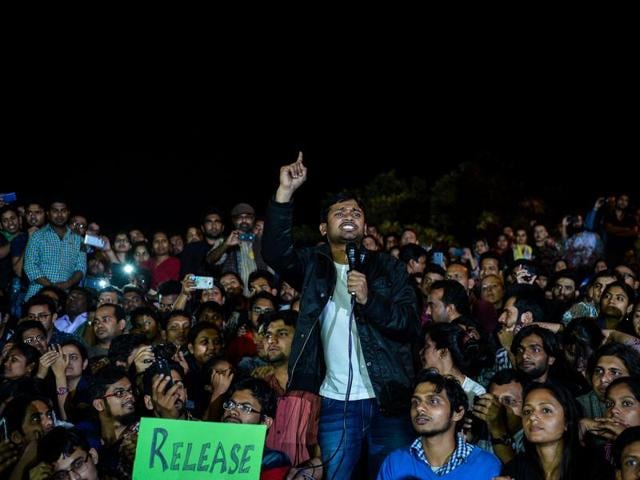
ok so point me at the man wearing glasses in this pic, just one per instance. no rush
(113, 398)
(63, 451)
(251, 401)
(43, 309)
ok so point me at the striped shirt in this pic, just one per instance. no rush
(53, 258)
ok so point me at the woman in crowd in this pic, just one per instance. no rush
(552, 448)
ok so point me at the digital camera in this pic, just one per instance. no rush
(164, 350)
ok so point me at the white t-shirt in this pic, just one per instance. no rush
(334, 320)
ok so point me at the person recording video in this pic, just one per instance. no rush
(356, 323)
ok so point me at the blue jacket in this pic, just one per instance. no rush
(404, 465)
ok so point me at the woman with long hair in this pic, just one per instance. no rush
(552, 449)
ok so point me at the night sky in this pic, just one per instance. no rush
(110, 168)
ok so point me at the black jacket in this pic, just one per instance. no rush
(387, 324)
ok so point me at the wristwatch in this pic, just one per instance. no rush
(503, 440)
(62, 390)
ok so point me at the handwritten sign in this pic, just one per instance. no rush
(178, 449)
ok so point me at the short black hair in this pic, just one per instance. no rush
(104, 378)
(145, 311)
(27, 325)
(411, 251)
(118, 311)
(61, 441)
(263, 393)
(343, 196)
(289, 317)
(550, 342)
(170, 287)
(129, 287)
(508, 375)
(42, 300)
(122, 346)
(453, 293)
(456, 395)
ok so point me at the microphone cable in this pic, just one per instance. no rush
(346, 400)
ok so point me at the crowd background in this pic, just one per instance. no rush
(486, 257)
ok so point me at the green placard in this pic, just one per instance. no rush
(177, 449)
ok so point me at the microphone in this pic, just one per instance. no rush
(352, 255)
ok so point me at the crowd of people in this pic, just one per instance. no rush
(368, 355)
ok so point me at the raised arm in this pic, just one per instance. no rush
(277, 240)
(292, 176)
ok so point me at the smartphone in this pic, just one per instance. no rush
(246, 237)
(203, 283)
(163, 368)
(438, 259)
(94, 241)
(8, 197)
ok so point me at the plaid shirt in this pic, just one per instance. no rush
(56, 259)
(458, 457)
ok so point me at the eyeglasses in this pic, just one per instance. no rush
(78, 466)
(33, 339)
(39, 316)
(120, 393)
(261, 310)
(242, 407)
(79, 225)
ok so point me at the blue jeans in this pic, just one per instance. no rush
(365, 425)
